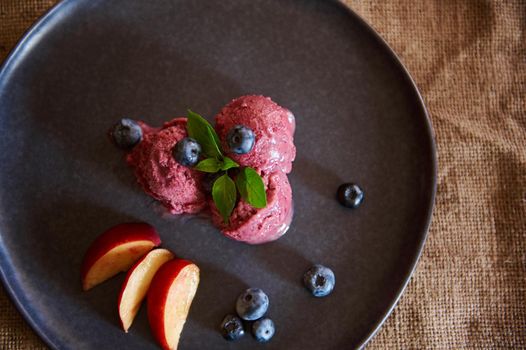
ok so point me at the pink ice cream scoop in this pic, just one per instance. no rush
(256, 226)
(180, 188)
(177, 187)
(273, 127)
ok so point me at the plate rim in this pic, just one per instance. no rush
(40, 24)
(11, 57)
(434, 171)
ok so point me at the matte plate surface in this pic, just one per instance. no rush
(359, 118)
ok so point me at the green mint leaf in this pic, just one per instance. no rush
(201, 130)
(215, 143)
(224, 195)
(228, 163)
(251, 188)
(209, 165)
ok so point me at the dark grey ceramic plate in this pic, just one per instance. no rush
(359, 118)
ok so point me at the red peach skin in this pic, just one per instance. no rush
(169, 299)
(116, 250)
(137, 283)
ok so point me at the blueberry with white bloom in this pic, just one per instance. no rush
(350, 195)
(319, 280)
(126, 133)
(263, 330)
(187, 151)
(232, 328)
(241, 139)
(252, 304)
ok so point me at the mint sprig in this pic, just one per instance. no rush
(209, 165)
(224, 195)
(248, 182)
(200, 129)
(251, 188)
(213, 165)
(228, 163)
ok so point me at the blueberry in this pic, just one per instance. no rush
(241, 139)
(252, 304)
(232, 327)
(319, 280)
(186, 152)
(126, 133)
(263, 329)
(350, 195)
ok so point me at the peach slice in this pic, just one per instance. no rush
(169, 299)
(115, 251)
(137, 282)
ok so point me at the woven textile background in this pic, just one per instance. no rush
(468, 58)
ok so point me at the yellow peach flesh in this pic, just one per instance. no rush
(138, 283)
(178, 302)
(117, 259)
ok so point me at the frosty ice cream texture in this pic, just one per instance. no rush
(273, 127)
(271, 156)
(177, 187)
(180, 189)
(256, 226)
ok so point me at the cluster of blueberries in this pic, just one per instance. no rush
(127, 133)
(241, 139)
(252, 305)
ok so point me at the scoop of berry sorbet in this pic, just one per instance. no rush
(256, 226)
(177, 187)
(273, 127)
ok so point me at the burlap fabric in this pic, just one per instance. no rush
(468, 58)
